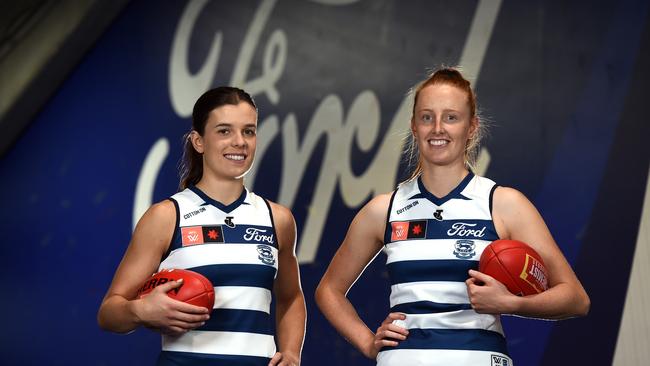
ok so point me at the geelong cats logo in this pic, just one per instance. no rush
(464, 249)
(266, 254)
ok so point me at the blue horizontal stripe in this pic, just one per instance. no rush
(167, 358)
(240, 234)
(460, 339)
(452, 229)
(461, 229)
(249, 234)
(255, 275)
(430, 270)
(427, 307)
(236, 320)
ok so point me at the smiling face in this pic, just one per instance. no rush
(442, 124)
(229, 141)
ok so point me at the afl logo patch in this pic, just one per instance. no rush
(266, 254)
(464, 249)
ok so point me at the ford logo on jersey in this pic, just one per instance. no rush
(465, 229)
(254, 234)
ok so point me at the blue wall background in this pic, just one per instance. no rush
(561, 83)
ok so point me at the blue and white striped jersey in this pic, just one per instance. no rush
(235, 247)
(430, 244)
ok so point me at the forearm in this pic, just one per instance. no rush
(342, 315)
(291, 317)
(118, 315)
(559, 302)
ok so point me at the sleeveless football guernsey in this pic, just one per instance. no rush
(235, 247)
(430, 244)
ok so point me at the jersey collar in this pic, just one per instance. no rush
(225, 208)
(455, 193)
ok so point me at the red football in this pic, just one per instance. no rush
(516, 265)
(196, 289)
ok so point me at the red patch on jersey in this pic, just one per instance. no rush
(400, 230)
(417, 229)
(192, 235)
(213, 234)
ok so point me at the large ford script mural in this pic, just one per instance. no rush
(556, 83)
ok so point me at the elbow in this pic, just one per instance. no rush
(580, 306)
(104, 323)
(109, 327)
(323, 296)
(584, 306)
(583, 303)
(107, 322)
(291, 302)
(319, 295)
(329, 298)
(101, 321)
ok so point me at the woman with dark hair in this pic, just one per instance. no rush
(244, 244)
(443, 311)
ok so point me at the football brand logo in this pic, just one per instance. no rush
(157, 281)
(535, 274)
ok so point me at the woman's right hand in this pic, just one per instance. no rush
(168, 316)
(388, 334)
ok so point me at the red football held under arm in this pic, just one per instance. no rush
(196, 288)
(516, 265)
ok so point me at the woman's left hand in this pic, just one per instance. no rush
(284, 359)
(489, 296)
